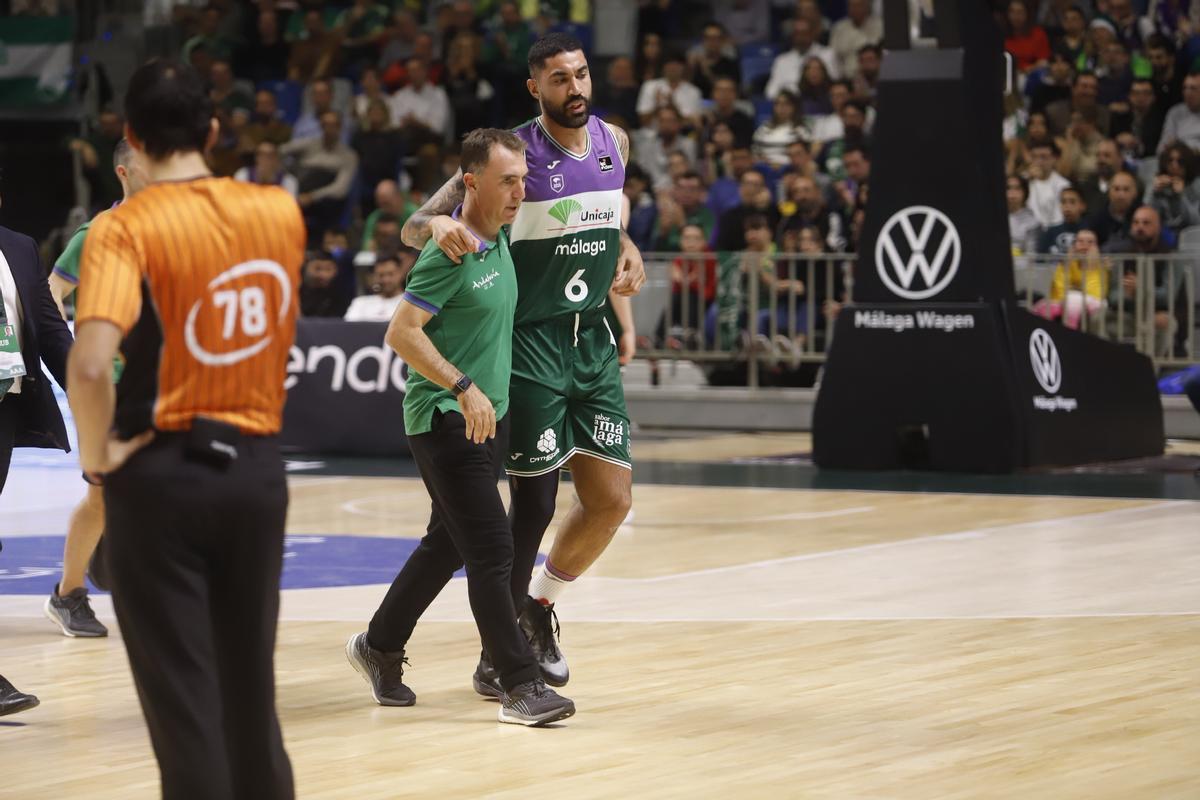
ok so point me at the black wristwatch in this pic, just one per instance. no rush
(461, 385)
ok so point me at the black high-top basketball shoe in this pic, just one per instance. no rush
(540, 625)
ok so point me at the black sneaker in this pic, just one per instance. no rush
(382, 671)
(486, 679)
(533, 704)
(12, 701)
(73, 614)
(540, 625)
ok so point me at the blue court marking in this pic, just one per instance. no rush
(31, 565)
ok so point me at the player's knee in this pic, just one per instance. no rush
(612, 504)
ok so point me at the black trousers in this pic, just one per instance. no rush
(468, 526)
(195, 553)
(9, 416)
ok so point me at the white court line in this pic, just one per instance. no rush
(835, 618)
(967, 534)
(354, 507)
(302, 481)
(796, 515)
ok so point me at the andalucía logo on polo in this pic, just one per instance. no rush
(563, 209)
(487, 281)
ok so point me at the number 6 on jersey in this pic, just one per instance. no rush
(576, 290)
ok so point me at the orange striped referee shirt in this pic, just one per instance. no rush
(202, 277)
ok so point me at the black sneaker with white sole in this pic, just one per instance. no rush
(486, 679)
(73, 614)
(382, 671)
(12, 700)
(533, 703)
(540, 624)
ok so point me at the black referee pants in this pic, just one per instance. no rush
(195, 553)
(468, 525)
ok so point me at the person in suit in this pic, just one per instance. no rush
(31, 330)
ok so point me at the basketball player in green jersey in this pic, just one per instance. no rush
(68, 605)
(567, 401)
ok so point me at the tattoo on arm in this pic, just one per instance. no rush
(415, 232)
(622, 142)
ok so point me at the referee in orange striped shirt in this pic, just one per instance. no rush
(195, 280)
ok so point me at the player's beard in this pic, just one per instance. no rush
(561, 116)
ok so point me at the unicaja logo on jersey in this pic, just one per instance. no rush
(563, 209)
(598, 215)
(547, 442)
(1043, 355)
(918, 252)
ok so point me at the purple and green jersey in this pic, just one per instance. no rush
(566, 235)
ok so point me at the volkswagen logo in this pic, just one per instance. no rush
(1043, 355)
(918, 252)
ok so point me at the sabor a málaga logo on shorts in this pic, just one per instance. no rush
(918, 252)
(608, 432)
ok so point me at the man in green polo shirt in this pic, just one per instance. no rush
(454, 329)
(68, 605)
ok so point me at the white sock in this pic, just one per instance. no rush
(548, 583)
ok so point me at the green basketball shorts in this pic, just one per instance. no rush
(566, 396)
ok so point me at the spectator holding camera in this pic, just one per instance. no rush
(1175, 192)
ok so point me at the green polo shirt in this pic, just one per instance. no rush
(473, 304)
(67, 267)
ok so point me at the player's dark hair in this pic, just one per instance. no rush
(549, 46)
(121, 153)
(477, 147)
(168, 108)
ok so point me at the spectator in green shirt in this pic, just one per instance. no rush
(683, 205)
(362, 27)
(391, 202)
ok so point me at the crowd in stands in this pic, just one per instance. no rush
(745, 116)
(1102, 137)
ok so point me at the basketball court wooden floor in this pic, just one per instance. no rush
(967, 640)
